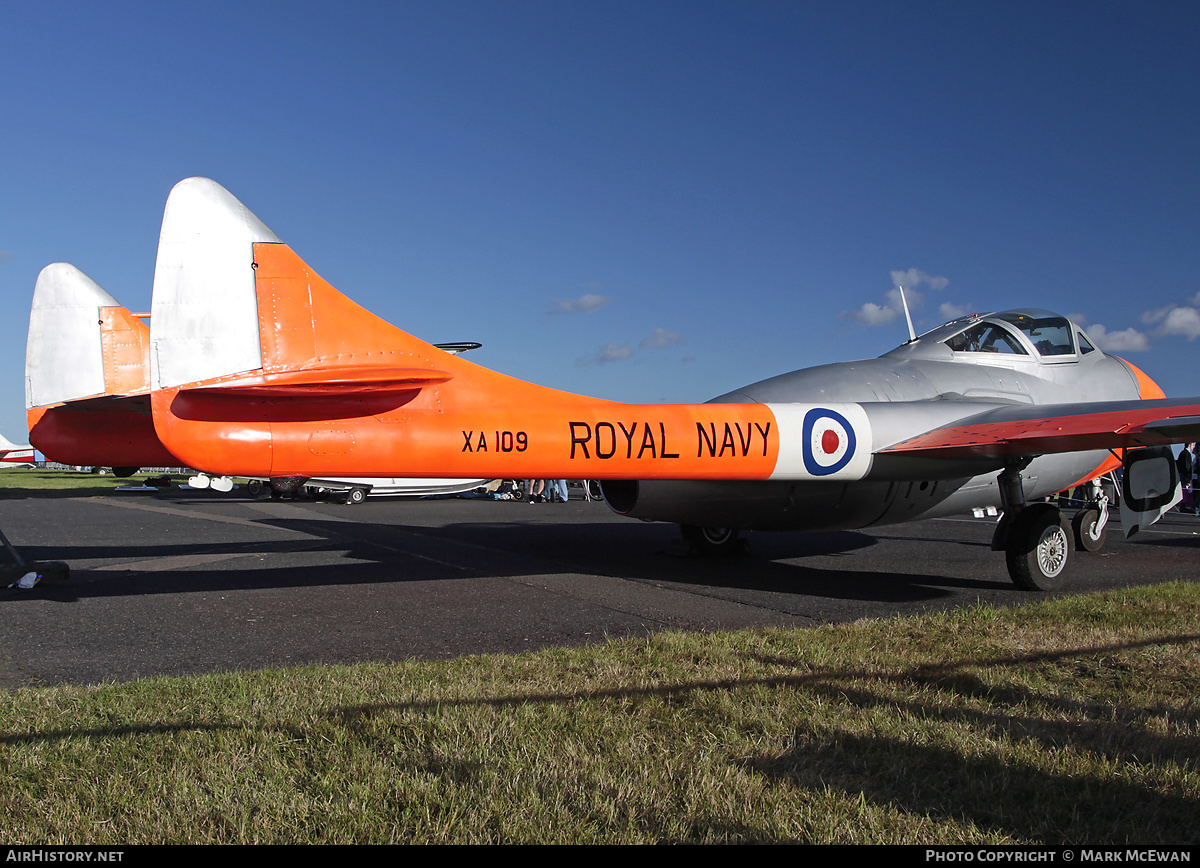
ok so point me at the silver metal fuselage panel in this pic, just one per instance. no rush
(915, 388)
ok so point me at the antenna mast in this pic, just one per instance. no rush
(912, 335)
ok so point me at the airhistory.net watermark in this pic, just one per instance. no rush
(46, 854)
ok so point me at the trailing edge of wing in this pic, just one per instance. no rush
(1053, 428)
(339, 381)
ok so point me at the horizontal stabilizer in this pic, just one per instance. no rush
(326, 381)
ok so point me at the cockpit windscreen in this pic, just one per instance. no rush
(1050, 335)
(986, 337)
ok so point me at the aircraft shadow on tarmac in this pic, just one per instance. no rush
(818, 565)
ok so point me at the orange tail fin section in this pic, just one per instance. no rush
(261, 368)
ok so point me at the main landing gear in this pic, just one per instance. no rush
(1037, 546)
(702, 541)
(1036, 538)
(711, 540)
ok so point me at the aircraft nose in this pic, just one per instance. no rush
(1147, 388)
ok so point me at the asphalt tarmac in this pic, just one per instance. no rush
(186, 582)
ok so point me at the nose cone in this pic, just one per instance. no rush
(1147, 388)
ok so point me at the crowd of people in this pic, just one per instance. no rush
(550, 491)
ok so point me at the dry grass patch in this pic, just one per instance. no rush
(1074, 720)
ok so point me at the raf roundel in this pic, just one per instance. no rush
(829, 441)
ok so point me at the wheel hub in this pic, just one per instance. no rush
(1052, 551)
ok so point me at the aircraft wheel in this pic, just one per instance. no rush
(356, 495)
(711, 540)
(258, 489)
(1039, 548)
(1084, 525)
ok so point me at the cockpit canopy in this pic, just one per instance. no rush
(1037, 334)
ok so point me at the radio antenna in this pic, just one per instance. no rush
(912, 335)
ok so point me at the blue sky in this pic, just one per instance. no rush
(645, 201)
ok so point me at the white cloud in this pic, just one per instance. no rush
(914, 277)
(1175, 319)
(610, 352)
(662, 338)
(873, 314)
(615, 352)
(953, 311)
(1152, 316)
(1125, 341)
(1183, 321)
(584, 304)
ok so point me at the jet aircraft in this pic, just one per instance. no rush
(261, 368)
(87, 377)
(87, 367)
(12, 455)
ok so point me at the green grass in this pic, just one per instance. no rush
(37, 482)
(1069, 721)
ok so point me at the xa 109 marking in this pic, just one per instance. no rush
(502, 441)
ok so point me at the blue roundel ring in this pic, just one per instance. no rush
(813, 418)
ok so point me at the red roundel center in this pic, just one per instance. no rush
(830, 441)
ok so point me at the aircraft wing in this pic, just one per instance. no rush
(1050, 428)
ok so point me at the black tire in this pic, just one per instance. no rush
(1039, 548)
(1084, 525)
(356, 495)
(711, 540)
(258, 489)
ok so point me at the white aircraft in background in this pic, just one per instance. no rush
(12, 455)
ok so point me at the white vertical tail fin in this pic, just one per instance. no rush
(204, 311)
(64, 357)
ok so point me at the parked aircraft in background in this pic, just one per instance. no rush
(87, 375)
(260, 368)
(356, 490)
(12, 455)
